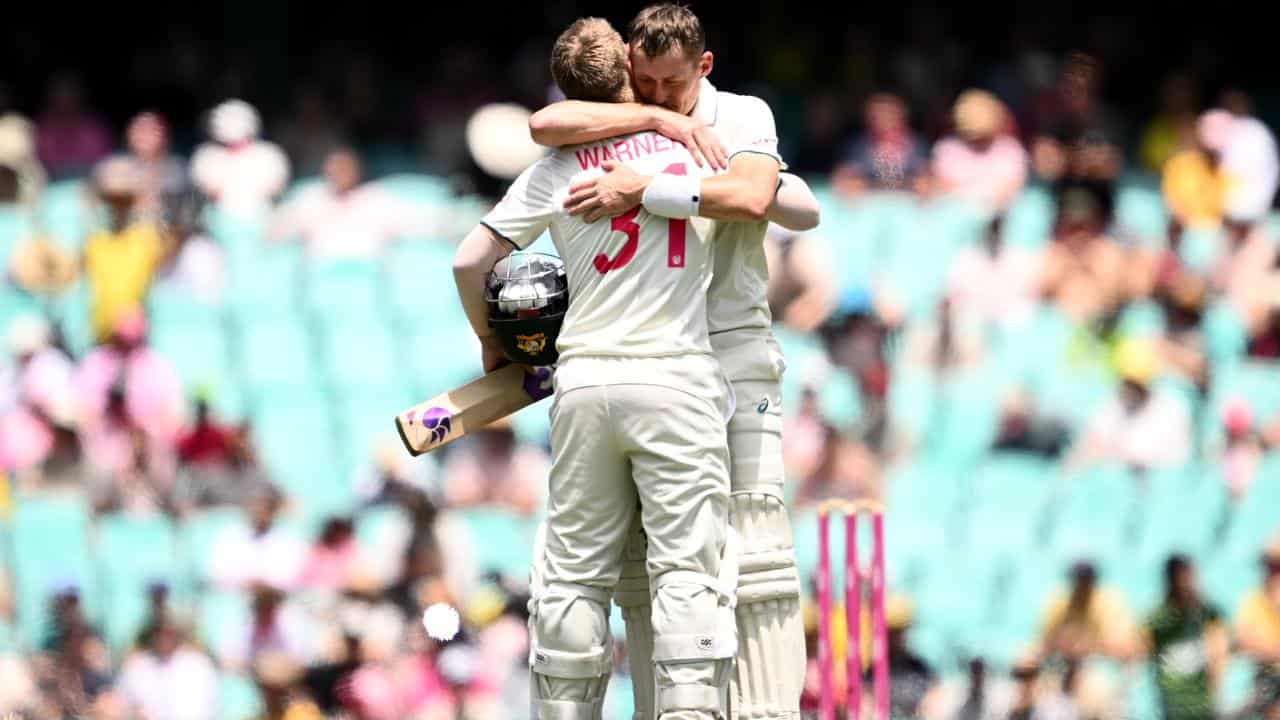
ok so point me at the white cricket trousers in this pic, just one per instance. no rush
(616, 448)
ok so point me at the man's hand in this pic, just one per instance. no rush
(608, 195)
(702, 142)
(491, 355)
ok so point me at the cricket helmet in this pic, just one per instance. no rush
(528, 295)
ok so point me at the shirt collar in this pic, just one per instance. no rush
(705, 108)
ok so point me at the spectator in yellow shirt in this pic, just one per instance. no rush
(1257, 631)
(120, 260)
(1088, 620)
(1193, 183)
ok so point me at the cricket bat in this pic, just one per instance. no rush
(448, 416)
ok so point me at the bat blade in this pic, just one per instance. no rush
(448, 416)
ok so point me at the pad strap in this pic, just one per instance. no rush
(689, 577)
(590, 592)
(570, 665)
(692, 647)
(565, 710)
(688, 697)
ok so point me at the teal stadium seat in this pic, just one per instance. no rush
(219, 615)
(500, 540)
(265, 283)
(366, 414)
(1096, 516)
(1143, 697)
(1140, 216)
(198, 352)
(74, 317)
(15, 226)
(849, 228)
(1225, 337)
(1029, 220)
(1200, 248)
(1183, 512)
(15, 303)
(441, 357)
(1255, 519)
(67, 214)
(965, 415)
(276, 353)
(50, 535)
(298, 444)
(1236, 688)
(242, 235)
(360, 354)
(342, 290)
(132, 552)
(1020, 599)
(1006, 506)
(1141, 319)
(420, 282)
(957, 597)
(238, 698)
(417, 188)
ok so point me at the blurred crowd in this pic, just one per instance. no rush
(1052, 316)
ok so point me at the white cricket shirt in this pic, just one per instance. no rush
(738, 316)
(637, 282)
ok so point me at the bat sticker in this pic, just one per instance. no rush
(439, 421)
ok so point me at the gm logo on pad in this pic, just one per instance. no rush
(706, 643)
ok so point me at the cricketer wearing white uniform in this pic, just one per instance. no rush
(769, 674)
(637, 420)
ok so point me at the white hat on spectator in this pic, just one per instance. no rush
(1214, 129)
(16, 138)
(234, 121)
(28, 334)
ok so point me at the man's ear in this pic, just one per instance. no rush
(705, 63)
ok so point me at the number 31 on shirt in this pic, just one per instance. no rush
(626, 224)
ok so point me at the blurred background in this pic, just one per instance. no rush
(1040, 320)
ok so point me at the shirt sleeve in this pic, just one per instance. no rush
(528, 207)
(755, 131)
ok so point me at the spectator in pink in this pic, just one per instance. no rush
(334, 559)
(994, 282)
(887, 157)
(239, 172)
(153, 394)
(1242, 451)
(35, 395)
(983, 161)
(345, 217)
(69, 138)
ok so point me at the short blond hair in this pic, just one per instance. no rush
(589, 62)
